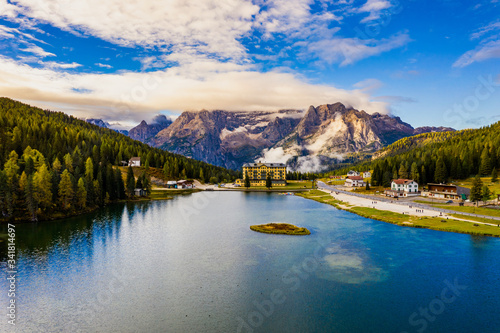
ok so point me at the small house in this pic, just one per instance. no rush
(185, 184)
(402, 188)
(353, 173)
(171, 184)
(367, 174)
(134, 162)
(354, 181)
(445, 191)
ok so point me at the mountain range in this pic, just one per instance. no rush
(307, 140)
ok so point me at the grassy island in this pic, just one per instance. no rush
(280, 228)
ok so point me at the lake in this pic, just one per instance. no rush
(192, 264)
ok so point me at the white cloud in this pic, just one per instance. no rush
(347, 51)
(374, 8)
(211, 26)
(103, 65)
(190, 86)
(37, 50)
(60, 65)
(482, 52)
(7, 10)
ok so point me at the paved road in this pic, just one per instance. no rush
(322, 185)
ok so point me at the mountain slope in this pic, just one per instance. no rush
(308, 141)
(225, 138)
(144, 131)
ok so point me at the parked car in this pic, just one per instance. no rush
(449, 201)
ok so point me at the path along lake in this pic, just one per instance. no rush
(192, 264)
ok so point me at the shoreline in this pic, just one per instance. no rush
(425, 220)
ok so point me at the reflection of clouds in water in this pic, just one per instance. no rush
(347, 266)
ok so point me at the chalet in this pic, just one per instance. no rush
(354, 181)
(184, 184)
(171, 184)
(367, 174)
(134, 162)
(444, 191)
(353, 173)
(337, 177)
(402, 188)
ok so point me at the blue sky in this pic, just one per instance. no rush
(430, 62)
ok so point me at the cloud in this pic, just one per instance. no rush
(208, 25)
(347, 51)
(197, 85)
(60, 65)
(483, 52)
(374, 8)
(488, 48)
(103, 65)
(37, 50)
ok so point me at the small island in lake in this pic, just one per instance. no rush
(280, 228)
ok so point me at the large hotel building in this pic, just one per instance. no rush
(257, 173)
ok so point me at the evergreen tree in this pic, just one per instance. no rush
(494, 176)
(130, 182)
(11, 168)
(386, 182)
(403, 172)
(440, 173)
(485, 193)
(485, 166)
(120, 186)
(269, 181)
(42, 183)
(247, 181)
(26, 185)
(414, 172)
(367, 186)
(476, 193)
(81, 194)
(66, 192)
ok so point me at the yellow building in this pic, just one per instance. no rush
(257, 173)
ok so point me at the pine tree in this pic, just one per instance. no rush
(414, 172)
(494, 176)
(66, 192)
(11, 168)
(367, 186)
(485, 166)
(485, 193)
(440, 173)
(403, 172)
(120, 186)
(42, 182)
(130, 182)
(26, 186)
(81, 194)
(247, 181)
(476, 192)
(269, 181)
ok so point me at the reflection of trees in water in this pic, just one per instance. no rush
(70, 235)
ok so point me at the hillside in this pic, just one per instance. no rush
(52, 163)
(437, 157)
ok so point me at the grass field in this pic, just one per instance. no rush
(435, 223)
(464, 209)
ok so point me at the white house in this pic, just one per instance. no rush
(354, 181)
(367, 174)
(353, 173)
(184, 184)
(134, 162)
(171, 184)
(403, 188)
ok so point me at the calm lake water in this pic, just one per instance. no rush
(192, 264)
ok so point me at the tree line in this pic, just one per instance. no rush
(437, 157)
(51, 162)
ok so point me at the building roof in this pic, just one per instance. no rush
(135, 159)
(402, 181)
(171, 182)
(280, 165)
(355, 177)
